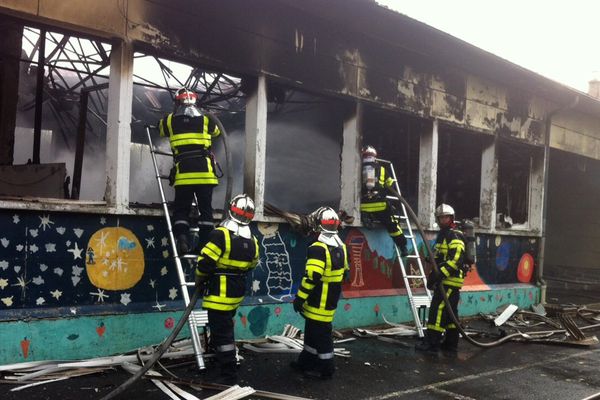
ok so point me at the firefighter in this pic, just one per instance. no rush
(193, 175)
(375, 206)
(223, 264)
(449, 256)
(318, 295)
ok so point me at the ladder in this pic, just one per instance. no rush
(418, 303)
(198, 318)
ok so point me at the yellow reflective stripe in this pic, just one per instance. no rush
(169, 125)
(324, 293)
(212, 250)
(193, 181)
(397, 233)
(223, 286)
(389, 182)
(161, 129)
(453, 281)
(317, 314)
(221, 303)
(205, 124)
(346, 264)
(315, 262)
(311, 271)
(195, 175)
(227, 262)
(381, 175)
(333, 279)
(302, 294)
(373, 207)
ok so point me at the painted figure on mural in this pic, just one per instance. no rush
(190, 133)
(450, 258)
(377, 185)
(221, 273)
(318, 295)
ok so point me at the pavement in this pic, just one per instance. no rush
(379, 370)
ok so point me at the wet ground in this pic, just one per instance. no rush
(380, 370)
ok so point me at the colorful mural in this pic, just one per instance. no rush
(111, 277)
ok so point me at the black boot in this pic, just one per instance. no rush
(228, 374)
(431, 342)
(400, 242)
(450, 342)
(183, 245)
(305, 362)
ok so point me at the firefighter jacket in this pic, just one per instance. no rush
(449, 256)
(191, 141)
(373, 200)
(321, 285)
(223, 264)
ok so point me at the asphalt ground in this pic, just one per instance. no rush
(378, 370)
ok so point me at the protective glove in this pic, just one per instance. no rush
(298, 302)
(201, 281)
(434, 278)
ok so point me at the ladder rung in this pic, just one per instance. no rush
(189, 256)
(415, 276)
(413, 256)
(408, 236)
(421, 301)
(162, 153)
(190, 284)
(199, 318)
(165, 177)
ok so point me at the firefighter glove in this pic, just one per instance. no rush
(298, 302)
(201, 281)
(172, 173)
(434, 278)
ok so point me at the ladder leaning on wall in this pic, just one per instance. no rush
(198, 318)
(419, 303)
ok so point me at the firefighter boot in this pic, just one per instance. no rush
(431, 342)
(183, 245)
(305, 362)
(228, 374)
(450, 343)
(400, 242)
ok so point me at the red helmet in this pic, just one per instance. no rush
(185, 97)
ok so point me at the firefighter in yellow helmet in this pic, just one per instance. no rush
(375, 206)
(190, 133)
(221, 272)
(318, 295)
(449, 256)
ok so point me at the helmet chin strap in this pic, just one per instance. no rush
(330, 239)
(237, 228)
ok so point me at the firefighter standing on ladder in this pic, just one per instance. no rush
(376, 182)
(190, 134)
(318, 295)
(223, 264)
(449, 256)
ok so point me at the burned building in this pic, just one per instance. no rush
(85, 253)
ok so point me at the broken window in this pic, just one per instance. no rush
(303, 151)
(514, 171)
(395, 136)
(155, 82)
(40, 153)
(459, 171)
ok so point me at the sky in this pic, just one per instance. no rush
(557, 39)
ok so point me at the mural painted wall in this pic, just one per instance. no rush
(92, 263)
(87, 285)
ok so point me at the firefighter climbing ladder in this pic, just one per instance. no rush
(418, 302)
(198, 318)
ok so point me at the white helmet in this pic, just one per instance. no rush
(328, 220)
(241, 209)
(185, 97)
(444, 209)
(369, 151)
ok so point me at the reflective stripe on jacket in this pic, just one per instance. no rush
(321, 285)
(449, 256)
(226, 259)
(191, 135)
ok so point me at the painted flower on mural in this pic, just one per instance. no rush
(114, 259)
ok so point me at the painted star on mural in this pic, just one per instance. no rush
(40, 301)
(158, 306)
(255, 285)
(75, 251)
(56, 294)
(150, 243)
(152, 283)
(125, 298)
(8, 301)
(101, 241)
(163, 271)
(3, 283)
(22, 283)
(16, 219)
(173, 293)
(100, 295)
(164, 242)
(103, 221)
(45, 222)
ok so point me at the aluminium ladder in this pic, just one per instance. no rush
(198, 318)
(418, 302)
